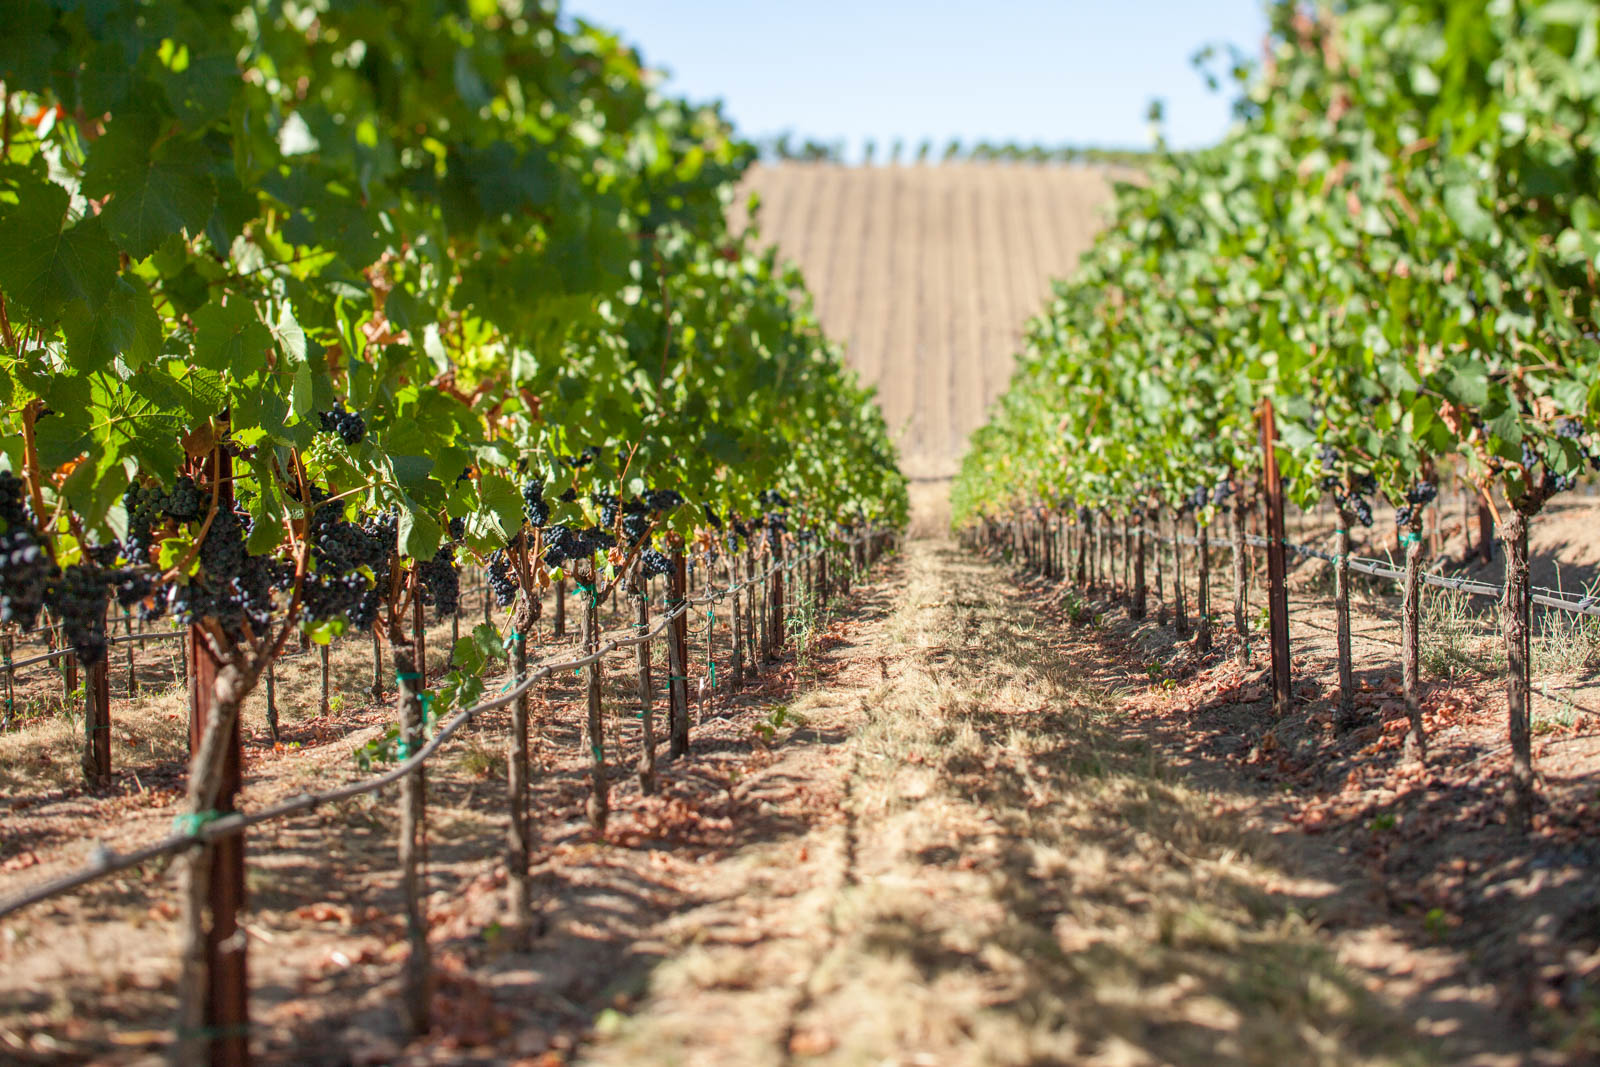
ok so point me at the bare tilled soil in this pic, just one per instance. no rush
(928, 275)
(968, 824)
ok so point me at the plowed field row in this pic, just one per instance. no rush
(929, 275)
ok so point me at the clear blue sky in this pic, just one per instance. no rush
(1072, 71)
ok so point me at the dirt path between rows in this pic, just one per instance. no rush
(939, 835)
(988, 865)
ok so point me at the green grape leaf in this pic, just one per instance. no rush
(229, 337)
(156, 187)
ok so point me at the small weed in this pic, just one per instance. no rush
(776, 720)
(481, 761)
(336, 703)
(1382, 823)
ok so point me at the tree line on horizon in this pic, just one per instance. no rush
(788, 147)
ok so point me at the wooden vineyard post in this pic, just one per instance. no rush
(322, 659)
(416, 978)
(69, 673)
(1180, 602)
(738, 628)
(1346, 717)
(599, 804)
(678, 659)
(377, 665)
(1241, 621)
(1277, 567)
(519, 888)
(823, 592)
(560, 623)
(750, 600)
(1083, 548)
(1485, 531)
(133, 679)
(1416, 746)
(1515, 622)
(1140, 593)
(97, 723)
(1126, 533)
(8, 643)
(216, 1029)
(647, 712)
(1202, 637)
(778, 621)
(272, 703)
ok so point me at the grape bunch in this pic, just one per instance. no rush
(1422, 494)
(663, 499)
(774, 499)
(584, 458)
(79, 598)
(655, 562)
(458, 528)
(144, 507)
(184, 503)
(712, 519)
(501, 582)
(1569, 429)
(561, 543)
(1221, 492)
(1196, 500)
(635, 522)
(233, 587)
(441, 583)
(568, 495)
(25, 567)
(1328, 457)
(1356, 504)
(534, 509)
(608, 505)
(349, 425)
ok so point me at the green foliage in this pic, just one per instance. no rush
(481, 227)
(1397, 244)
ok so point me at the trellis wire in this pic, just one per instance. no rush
(105, 861)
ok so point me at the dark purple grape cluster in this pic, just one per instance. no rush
(458, 528)
(441, 582)
(185, 503)
(568, 495)
(712, 518)
(1221, 492)
(1422, 494)
(663, 499)
(1328, 457)
(1569, 429)
(501, 581)
(774, 499)
(1355, 504)
(655, 562)
(582, 459)
(144, 506)
(535, 512)
(349, 425)
(635, 524)
(25, 567)
(608, 505)
(1195, 500)
(78, 598)
(335, 584)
